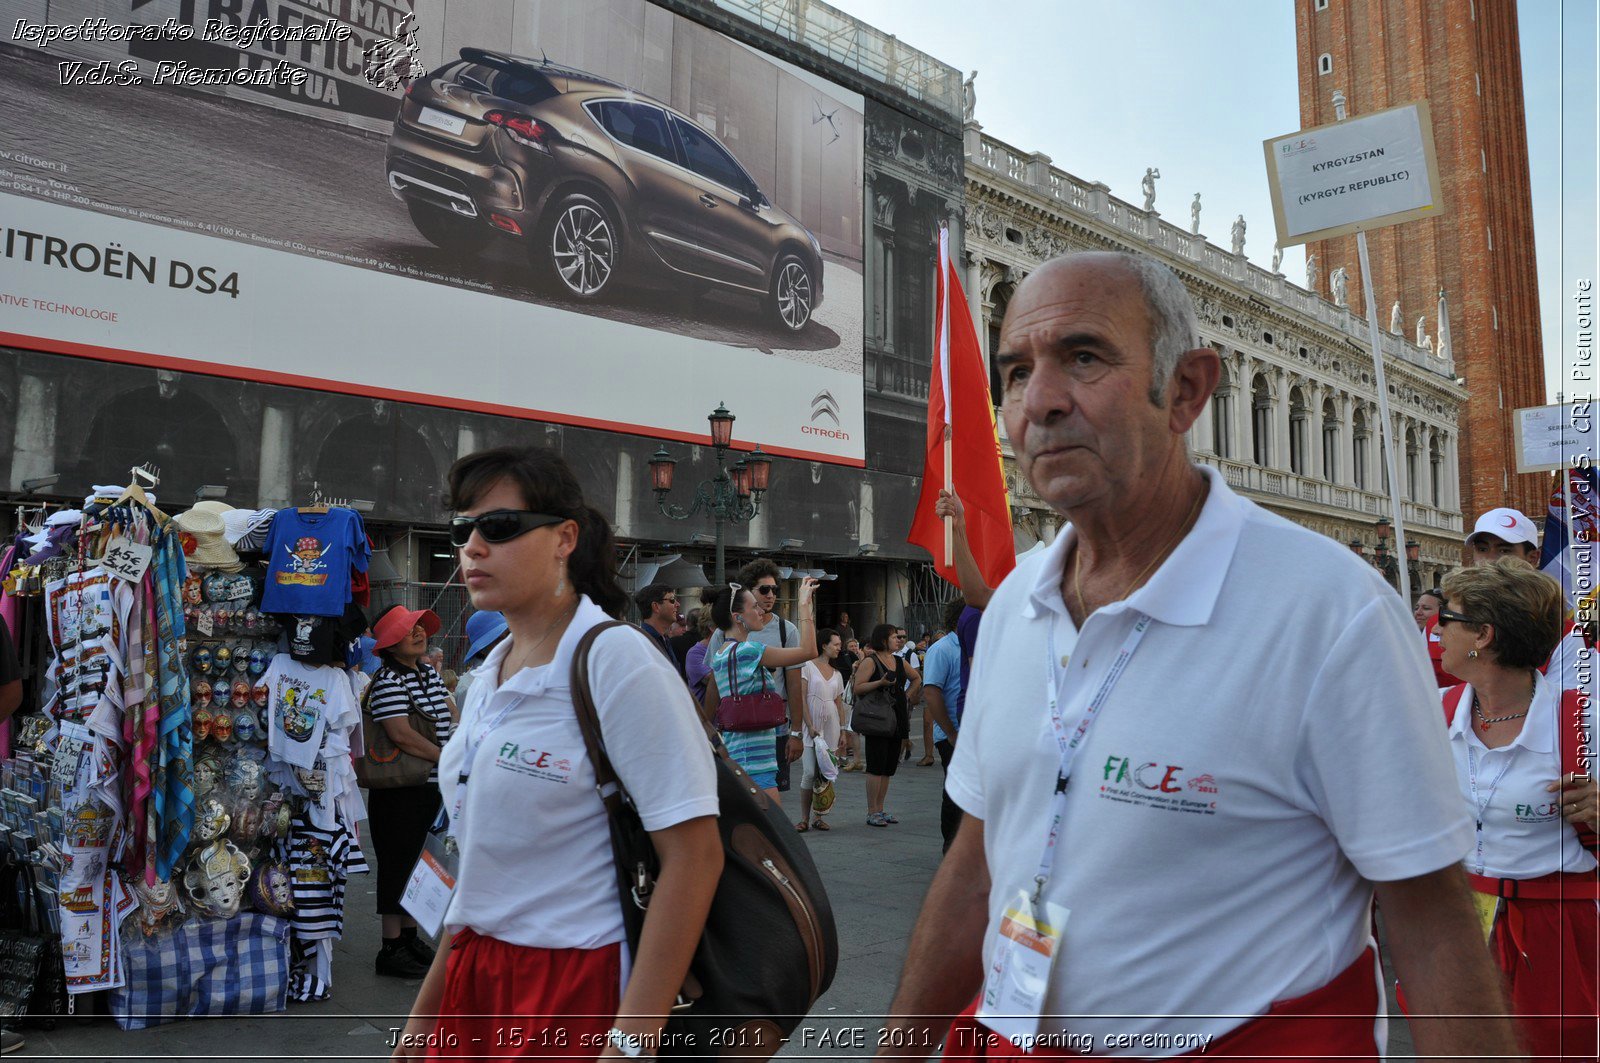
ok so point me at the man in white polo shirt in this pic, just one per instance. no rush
(1248, 735)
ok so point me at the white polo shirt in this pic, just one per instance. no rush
(536, 862)
(1524, 832)
(1273, 745)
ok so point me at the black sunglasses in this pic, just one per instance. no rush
(499, 525)
(771, 589)
(1445, 616)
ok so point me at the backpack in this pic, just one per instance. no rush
(1577, 757)
(769, 948)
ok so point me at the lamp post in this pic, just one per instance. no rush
(732, 496)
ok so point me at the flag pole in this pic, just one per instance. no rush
(943, 354)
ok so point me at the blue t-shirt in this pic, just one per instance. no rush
(309, 559)
(941, 668)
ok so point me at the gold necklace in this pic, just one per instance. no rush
(1077, 561)
(558, 621)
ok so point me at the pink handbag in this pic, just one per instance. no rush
(759, 711)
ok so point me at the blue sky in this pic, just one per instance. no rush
(1107, 89)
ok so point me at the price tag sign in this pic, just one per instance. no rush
(126, 560)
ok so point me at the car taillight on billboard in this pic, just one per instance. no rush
(519, 127)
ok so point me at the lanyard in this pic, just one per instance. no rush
(1067, 744)
(473, 743)
(1480, 807)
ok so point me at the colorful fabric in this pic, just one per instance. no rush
(172, 783)
(237, 966)
(757, 753)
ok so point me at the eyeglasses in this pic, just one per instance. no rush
(499, 525)
(1446, 616)
(767, 588)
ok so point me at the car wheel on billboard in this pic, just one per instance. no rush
(446, 231)
(790, 299)
(579, 247)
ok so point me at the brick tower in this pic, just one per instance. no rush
(1463, 57)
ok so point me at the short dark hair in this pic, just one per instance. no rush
(825, 636)
(879, 639)
(755, 571)
(547, 485)
(649, 596)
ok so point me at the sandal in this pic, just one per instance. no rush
(925, 762)
(875, 819)
(820, 824)
(802, 826)
(888, 818)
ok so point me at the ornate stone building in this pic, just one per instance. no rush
(1294, 423)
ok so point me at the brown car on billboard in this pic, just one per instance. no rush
(600, 181)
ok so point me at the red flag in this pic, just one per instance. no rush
(959, 406)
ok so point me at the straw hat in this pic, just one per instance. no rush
(203, 528)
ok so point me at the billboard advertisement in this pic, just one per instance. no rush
(593, 212)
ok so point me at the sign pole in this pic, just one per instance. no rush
(1402, 566)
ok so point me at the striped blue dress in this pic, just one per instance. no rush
(755, 751)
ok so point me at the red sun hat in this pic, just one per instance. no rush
(397, 623)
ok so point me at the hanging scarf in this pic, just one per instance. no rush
(172, 783)
(141, 685)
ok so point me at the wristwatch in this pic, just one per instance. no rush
(630, 1045)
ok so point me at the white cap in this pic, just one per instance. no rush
(1510, 525)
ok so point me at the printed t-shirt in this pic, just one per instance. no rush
(1524, 833)
(394, 690)
(942, 669)
(324, 639)
(1257, 766)
(302, 701)
(309, 560)
(543, 877)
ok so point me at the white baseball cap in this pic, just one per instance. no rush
(1511, 525)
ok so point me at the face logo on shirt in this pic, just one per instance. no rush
(1153, 784)
(1542, 812)
(537, 763)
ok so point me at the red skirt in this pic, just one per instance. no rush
(1547, 951)
(505, 1001)
(1334, 1024)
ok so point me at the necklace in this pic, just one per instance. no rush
(557, 622)
(1077, 561)
(1485, 721)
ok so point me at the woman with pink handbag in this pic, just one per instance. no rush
(743, 701)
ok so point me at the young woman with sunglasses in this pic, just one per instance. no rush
(534, 934)
(1534, 865)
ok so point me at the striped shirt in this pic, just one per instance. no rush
(394, 691)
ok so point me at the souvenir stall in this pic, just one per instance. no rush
(179, 782)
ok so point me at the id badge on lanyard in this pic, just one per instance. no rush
(433, 879)
(1027, 942)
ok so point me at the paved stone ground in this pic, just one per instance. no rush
(279, 178)
(876, 880)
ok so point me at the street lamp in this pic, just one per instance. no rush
(733, 496)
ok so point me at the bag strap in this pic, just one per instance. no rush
(1452, 702)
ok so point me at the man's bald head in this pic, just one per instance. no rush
(1168, 309)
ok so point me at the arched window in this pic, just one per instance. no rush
(1001, 300)
(180, 431)
(1330, 441)
(1261, 421)
(1222, 416)
(1298, 432)
(1358, 448)
(1435, 468)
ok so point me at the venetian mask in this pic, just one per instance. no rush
(200, 694)
(215, 879)
(245, 728)
(211, 820)
(252, 620)
(222, 660)
(206, 769)
(200, 723)
(191, 591)
(259, 659)
(240, 694)
(222, 726)
(244, 779)
(271, 890)
(246, 822)
(202, 660)
(241, 658)
(258, 695)
(157, 904)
